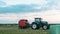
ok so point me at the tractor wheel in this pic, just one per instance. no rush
(45, 27)
(35, 26)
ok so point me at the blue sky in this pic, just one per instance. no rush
(11, 11)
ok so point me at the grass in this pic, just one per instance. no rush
(14, 30)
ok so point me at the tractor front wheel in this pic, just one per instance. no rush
(45, 27)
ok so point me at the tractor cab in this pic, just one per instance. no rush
(38, 20)
(39, 23)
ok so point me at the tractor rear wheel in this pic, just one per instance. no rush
(35, 26)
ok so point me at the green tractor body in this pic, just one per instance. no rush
(39, 23)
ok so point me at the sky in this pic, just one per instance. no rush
(11, 11)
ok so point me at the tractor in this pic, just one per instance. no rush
(39, 23)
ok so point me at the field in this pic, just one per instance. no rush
(13, 29)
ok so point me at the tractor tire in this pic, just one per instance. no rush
(45, 27)
(34, 26)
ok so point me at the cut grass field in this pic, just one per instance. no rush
(14, 30)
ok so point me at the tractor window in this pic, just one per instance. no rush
(38, 19)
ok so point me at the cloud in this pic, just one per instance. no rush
(19, 8)
(2, 4)
(52, 4)
(33, 7)
(14, 2)
(47, 16)
(44, 3)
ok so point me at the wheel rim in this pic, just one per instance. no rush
(45, 27)
(34, 26)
